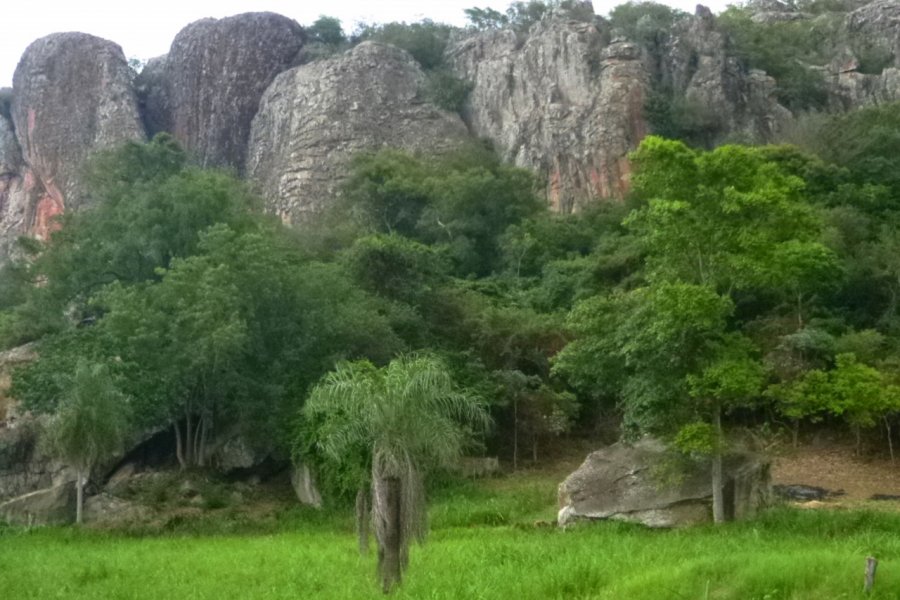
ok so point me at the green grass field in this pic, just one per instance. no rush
(483, 544)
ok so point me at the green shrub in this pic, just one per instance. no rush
(425, 41)
(445, 90)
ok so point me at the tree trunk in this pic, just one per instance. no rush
(188, 439)
(887, 424)
(179, 446)
(515, 435)
(362, 520)
(856, 430)
(534, 448)
(388, 530)
(796, 432)
(79, 497)
(718, 500)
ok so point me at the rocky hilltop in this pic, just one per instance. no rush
(567, 97)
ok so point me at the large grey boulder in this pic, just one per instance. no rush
(315, 118)
(637, 483)
(50, 506)
(72, 97)
(207, 89)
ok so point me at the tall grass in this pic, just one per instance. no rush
(484, 544)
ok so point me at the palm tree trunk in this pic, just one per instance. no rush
(718, 500)
(79, 497)
(388, 531)
(362, 520)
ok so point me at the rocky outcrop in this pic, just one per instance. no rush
(564, 101)
(695, 66)
(24, 464)
(207, 89)
(72, 97)
(315, 118)
(15, 197)
(50, 506)
(639, 483)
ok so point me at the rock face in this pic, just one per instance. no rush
(565, 102)
(15, 198)
(51, 506)
(629, 483)
(24, 465)
(207, 89)
(72, 96)
(314, 118)
(568, 99)
(695, 66)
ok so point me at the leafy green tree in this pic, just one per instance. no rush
(426, 40)
(411, 416)
(90, 425)
(326, 30)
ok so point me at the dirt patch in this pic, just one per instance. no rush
(838, 468)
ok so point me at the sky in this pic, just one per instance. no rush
(145, 29)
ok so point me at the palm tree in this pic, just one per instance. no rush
(90, 424)
(411, 416)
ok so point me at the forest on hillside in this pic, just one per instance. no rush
(754, 283)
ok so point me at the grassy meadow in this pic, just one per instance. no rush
(487, 541)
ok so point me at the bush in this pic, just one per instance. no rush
(425, 41)
(644, 22)
(445, 90)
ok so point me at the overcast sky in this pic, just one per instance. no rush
(145, 29)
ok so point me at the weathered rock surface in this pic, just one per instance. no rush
(105, 508)
(565, 102)
(50, 506)
(629, 482)
(315, 118)
(697, 67)
(568, 99)
(207, 89)
(305, 486)
(24, 465)
(72, 97)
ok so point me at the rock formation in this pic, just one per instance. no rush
(50, 506)
(565, 102)
(72, 96)
(631, 482)
(567, 99)
(207, 89)
(15, 195)
(315, 118)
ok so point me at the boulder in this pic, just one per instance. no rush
(315, 118)
(72, 97)
(24, 465)
(305, 486)
(103, 509)
(637, 483)
(50, 506)
(207, 89)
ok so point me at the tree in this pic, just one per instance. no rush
(326, 30)
(90, 424)
(411, 416)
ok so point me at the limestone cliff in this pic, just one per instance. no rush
(314, 118)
